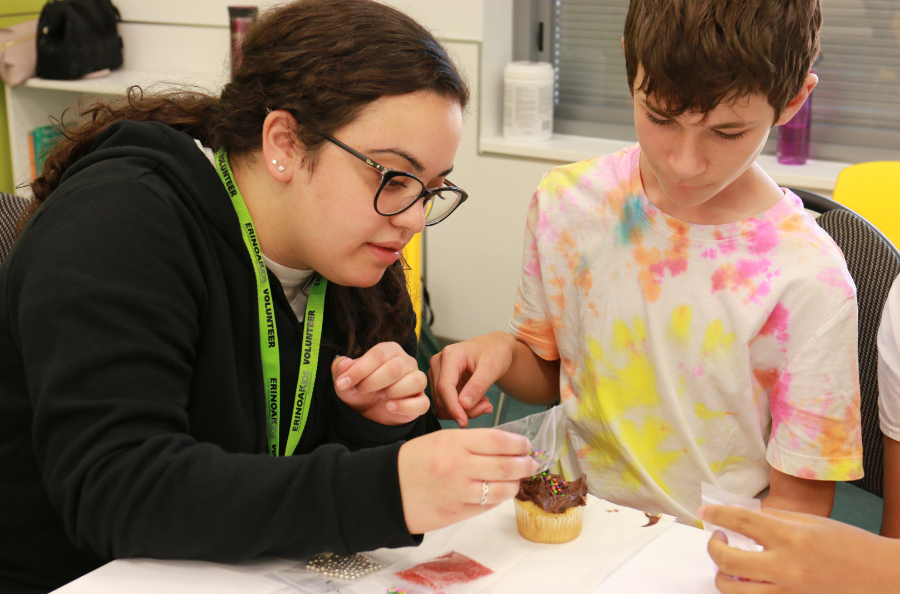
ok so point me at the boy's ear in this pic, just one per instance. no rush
(797, 102)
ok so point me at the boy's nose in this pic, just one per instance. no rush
(687, 161)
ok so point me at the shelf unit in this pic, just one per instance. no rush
(156, 56)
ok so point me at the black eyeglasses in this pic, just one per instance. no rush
(399, 190)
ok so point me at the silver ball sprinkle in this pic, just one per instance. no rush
(350, 567)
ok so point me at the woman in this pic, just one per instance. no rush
(193, 257)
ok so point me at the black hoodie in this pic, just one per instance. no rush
(132, 417)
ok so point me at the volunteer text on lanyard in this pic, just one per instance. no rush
(268, 334)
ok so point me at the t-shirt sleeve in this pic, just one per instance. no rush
(816, 432)
(531, 321)
(889, 365)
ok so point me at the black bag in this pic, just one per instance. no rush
(77, 37)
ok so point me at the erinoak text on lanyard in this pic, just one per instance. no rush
(268, 332)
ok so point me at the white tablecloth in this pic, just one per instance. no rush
(614, 550)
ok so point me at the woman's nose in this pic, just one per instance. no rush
(413, 218)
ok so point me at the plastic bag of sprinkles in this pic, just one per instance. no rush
(329, 573)
(547, 433)
(450, 573)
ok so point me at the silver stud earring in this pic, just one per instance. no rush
(275, 162)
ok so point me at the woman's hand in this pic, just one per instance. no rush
(442, 474)
(384, 385)
(803, 554)
(461, 374)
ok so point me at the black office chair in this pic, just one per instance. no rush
(874, 263)
(11, 206)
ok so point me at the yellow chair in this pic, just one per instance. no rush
(412, 253)
(873, 191)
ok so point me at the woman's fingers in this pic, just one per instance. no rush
(443, 474)
(497, 492)
(349, 381)
(501, 468)
(412, 383)
(411, 407)
(496, 442)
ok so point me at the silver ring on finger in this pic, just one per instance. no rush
(484, 492)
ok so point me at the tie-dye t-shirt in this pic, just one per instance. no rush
(688, 352)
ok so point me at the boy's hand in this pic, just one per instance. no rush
(384, 385)
(461, 374)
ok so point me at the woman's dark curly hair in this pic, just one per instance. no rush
(323, 61)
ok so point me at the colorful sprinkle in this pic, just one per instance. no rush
(540, 456)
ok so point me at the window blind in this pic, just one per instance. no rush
(856, 106)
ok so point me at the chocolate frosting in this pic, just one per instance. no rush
(551, 493)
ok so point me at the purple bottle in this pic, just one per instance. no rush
(793, 137)
(241, 19)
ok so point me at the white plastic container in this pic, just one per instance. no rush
(528, 101)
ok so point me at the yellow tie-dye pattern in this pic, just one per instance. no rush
(617, 390)
(718, 466)
(706, 414)
(644, 444)
(633, 384)
(680, 324)
(571, 176)
(717, 339)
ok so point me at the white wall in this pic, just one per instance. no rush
(473, 259)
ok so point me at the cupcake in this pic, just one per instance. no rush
(549, 509)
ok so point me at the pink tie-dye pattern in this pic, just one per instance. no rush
(739, 275)
(765, 240)
(778, 400)
(837, 279)
(777, 324)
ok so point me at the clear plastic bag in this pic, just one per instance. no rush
(547, 433)
(301, 578)
(713, 495)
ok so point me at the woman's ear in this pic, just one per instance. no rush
(797, 102)
(279, 147)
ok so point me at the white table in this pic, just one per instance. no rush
(615, 553)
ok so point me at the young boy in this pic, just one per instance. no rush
(696, 323)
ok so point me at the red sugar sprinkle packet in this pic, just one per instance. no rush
(452, 568)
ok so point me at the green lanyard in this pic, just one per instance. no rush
(268, 333)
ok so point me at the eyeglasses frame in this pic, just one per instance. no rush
(386, 176)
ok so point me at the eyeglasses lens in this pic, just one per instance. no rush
(439, 205)
(400, 190)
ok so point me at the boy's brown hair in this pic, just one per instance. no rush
(697, 54)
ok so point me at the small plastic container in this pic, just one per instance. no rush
(793, 137)
(528, 100)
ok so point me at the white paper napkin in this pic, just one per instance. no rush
(611, 534)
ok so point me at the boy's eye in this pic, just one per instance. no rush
(657, 121)
(721, 134)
